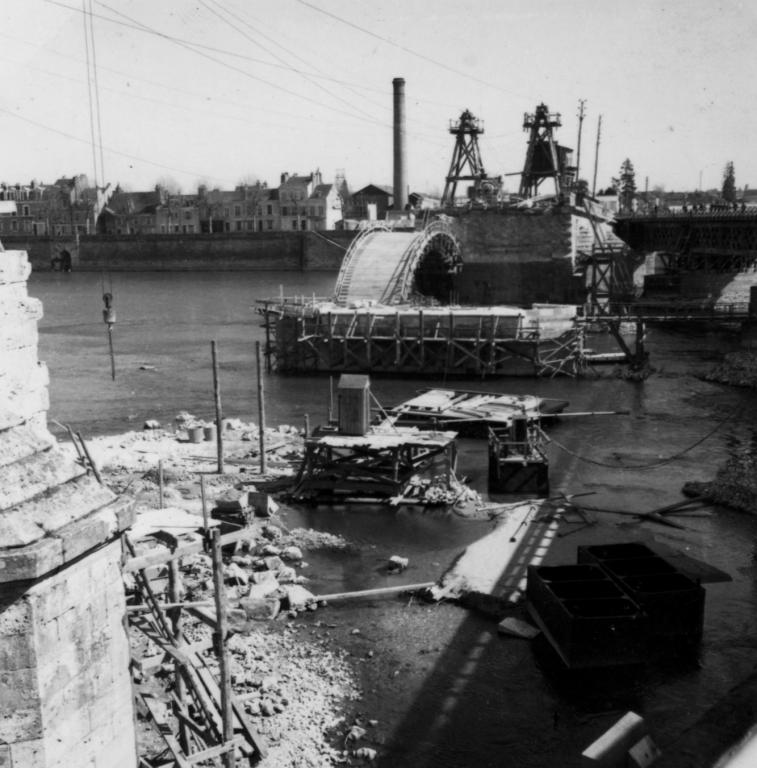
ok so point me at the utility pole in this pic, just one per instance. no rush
(581, 103)
(596, 156)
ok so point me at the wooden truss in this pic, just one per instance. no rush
(374, 467)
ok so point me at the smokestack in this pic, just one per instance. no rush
(400, 178)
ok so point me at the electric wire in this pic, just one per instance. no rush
(97, 94)
(421, 56)
(306, 76)
(651, 465)
(195, 49)
(89, 92)
(111, 150)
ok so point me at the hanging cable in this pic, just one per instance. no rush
(97, 95)
(652, 465)
(89, 91)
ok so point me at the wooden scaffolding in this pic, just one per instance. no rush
(204, 724)
(315, 336)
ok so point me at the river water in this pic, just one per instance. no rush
(447, 691)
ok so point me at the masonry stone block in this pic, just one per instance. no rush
(18, 530)
(20, 401)
(34, 475)
(16, 653)
(10, 295)
(83, 535)
(65, 503)
(65, 689)
(31, 561)
(14, 267)
(20, 724)
(21, 332)
(15, 612)
(24, 440)
(29, 754)
(16, 365)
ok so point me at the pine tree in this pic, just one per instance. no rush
(729, 183)
(627, 186)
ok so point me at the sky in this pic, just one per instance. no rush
(220, 92)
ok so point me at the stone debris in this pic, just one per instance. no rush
(397, 564)
(739, 369)
(293, 686)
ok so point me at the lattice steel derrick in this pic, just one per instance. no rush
(542, 160)
(466, 155)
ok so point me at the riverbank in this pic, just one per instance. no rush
(321, 682)
(735, 483)
(293, 686)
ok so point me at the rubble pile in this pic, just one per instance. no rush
(738, 369)
(293, 680)
(735, 484)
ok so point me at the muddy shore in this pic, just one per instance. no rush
(323, 682)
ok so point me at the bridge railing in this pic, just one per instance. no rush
(672, 311)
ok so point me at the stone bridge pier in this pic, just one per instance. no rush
(65, 688)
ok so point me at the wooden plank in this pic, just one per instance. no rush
(161, 557)
(216, 751)
(378, 592)
(221, 650)
(165, 730)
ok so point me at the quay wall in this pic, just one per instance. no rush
(287, 251)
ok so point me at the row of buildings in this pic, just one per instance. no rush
(72, 206)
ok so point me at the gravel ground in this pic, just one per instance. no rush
(297, 684)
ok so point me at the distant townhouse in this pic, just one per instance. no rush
(132, 213)
(71, 206)
(29, 215)
(239, 210)
(306, 203)
(64, 208)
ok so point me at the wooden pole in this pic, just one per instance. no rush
(205, 520)
(223, 659)
(261, 412)
(380, 591)
(331, 397)
(267, 339)
(160, 484)
(92, 464)
(112, 353)
(174, 589)
(307, 425)
(219, 415)
(596, 155)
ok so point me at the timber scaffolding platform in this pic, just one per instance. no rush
(317, 335)
(310, 335)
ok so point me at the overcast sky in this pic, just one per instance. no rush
(218, 91)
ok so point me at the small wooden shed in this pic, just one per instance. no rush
(354, 403)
